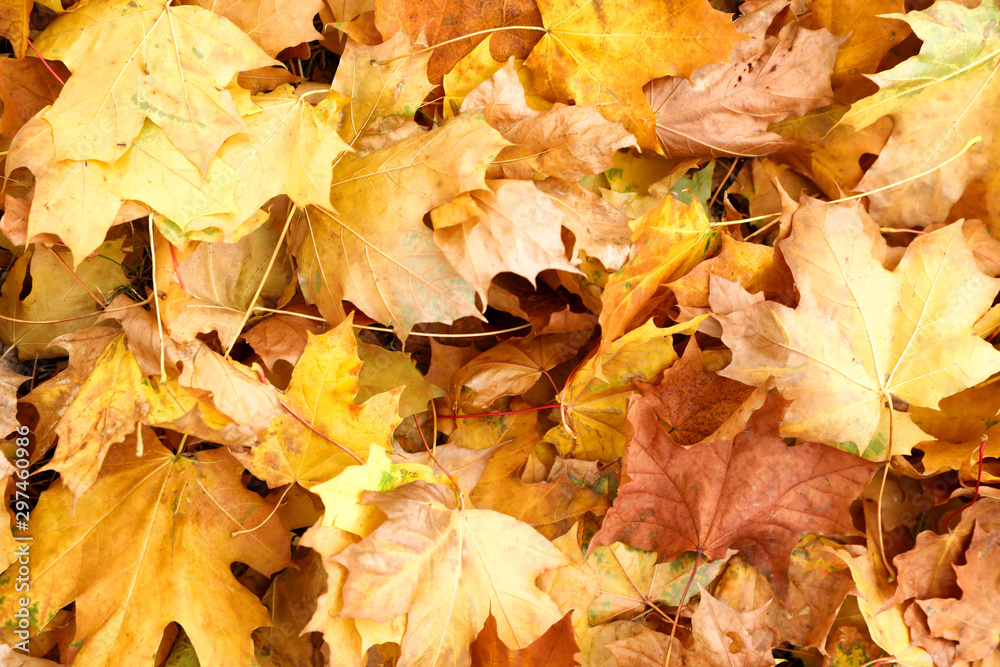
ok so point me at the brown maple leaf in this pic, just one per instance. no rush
(556, 648)
(752, 493)
(974, 620)
(726, 107)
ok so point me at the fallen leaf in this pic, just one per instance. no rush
(630, 580)
(168, 64)
(14, 24)
(273, 25)
(102, 413)
(870, 37)
(693, 401)
(388, 263)
(725, 108)
(574, 59)
(211, 286)
(973, 620)
(593, 409)
(447, 569)
(384, 370)
(150, 543)
(26, 88)
(724, 637)
(679, 499)
(443, 21)
(555, 648)
(291, 601)
(667, 242)
(283, 336)
(567, 142)
(887, 627)
(380, 93)
(942, 93)
(10, 381)
(550, 507)
(511, 368)
(321, 392)
(902, 334)
(511, 226)
(55, 294)
(818, 586)
(759, 268)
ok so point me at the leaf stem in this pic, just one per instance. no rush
(501, 414)
(463, 37)
(680, 605)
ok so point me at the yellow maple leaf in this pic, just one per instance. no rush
(300, 447)
(150, 543)
(447, 568)
(375, 250)
(170, 64)
(56, 294)
(594, 53)
(862, 336)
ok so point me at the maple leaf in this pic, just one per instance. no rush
(384, 370)
(93, 193)
(282, 337)
(555, 648)
(579, 56)
(758, 268)
(168, 64)
(9, 383)
(694, 402)
(384, 257)
(208, 286)
(870, 36)
(667, 242)
(725, 108)
(290, 149)
(943, 92)
(724, 637)
(442, 21)
(629, 580)
(550, 506)
(55, 294)
(974, 620)
(101, 413)
(511, 368)
(150, 543)
(531, 222)
(384, 97)
(818, 586)
(26, 87)
(862, 335)
(567, 142)
(679, 499)
(593, 408)
(14, 23)
(467, 231)
(447, 569)
(886, 625)
(721, 637)
(300, 447)
(273, 25)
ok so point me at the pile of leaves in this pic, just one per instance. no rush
(403, 332)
